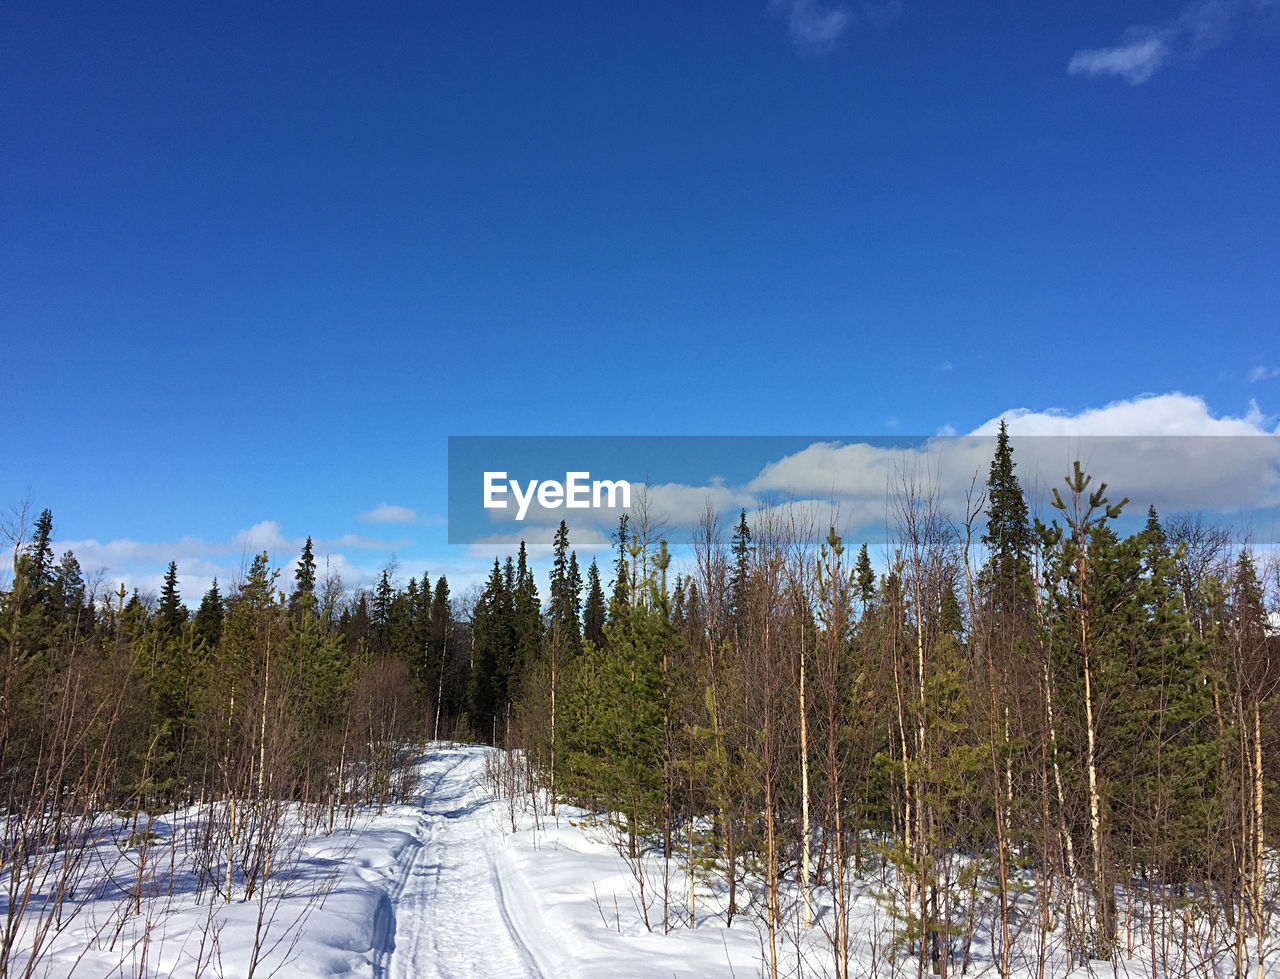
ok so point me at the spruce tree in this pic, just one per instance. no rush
(41, 552)
(304, 578)
(208, 619)
(381, 612)
(575, 594)
(566, 588)
(593, 617)
(621, 568)
(741, 554)
(865, 578)
(172, 614)
(492, 641)
(32, 585)
(69, 598)
(1008, 536)
(527, 625)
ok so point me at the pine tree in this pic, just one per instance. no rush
(381, 612)
(1086, 566)
(526, 623)
(208, 619)
(575, 595)
(492, 641)
(32, 587)
(566, 587)
(41, 555)
(304, 578)
(1008, 537)
(1165, 749)
(72, 610)
(403, 630)
(621, 569)
(438, 652)
(172, 614)
(593, 618)
(864, 577)
(741, 553)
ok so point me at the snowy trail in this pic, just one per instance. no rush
(459, 908)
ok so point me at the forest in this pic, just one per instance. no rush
(1033, 733)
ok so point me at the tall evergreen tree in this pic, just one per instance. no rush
(864, 577)
(172, 614)
(740, 550)
(493, 638)
(527, 624)
(593, 618)
(381, 611)
(565, 594)
(208, 619)
(621, 568)
(32, 585)
(304, 581)
(1008, 536)
(68, 599)
(41, 552)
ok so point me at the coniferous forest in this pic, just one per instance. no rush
(1043, 732)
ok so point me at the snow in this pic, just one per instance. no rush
(443, 887)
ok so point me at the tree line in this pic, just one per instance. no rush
(1048, 736)
(273, 695)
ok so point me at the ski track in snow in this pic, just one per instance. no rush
(458, 908)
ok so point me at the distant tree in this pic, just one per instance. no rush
(208, 618)
(594, 617)
(304, 588)
(1008, 537)
(68, 598)
(526, 624)
(740, 549)
(172, 614)
(492, 639)
(865, 578)
(566, 589)
(41, 553)
(621, 569)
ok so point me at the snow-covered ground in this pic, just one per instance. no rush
(440, 887)
(445, 887)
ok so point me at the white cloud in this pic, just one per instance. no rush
(1135, 62)
(142, 565)
(389, 513)
(1167, 449)
(361, 543)
(813, 25)
(1261, 373)
(1147, 414)
(539, 543)
(1152, 448)
(1145, 49)
(263, 536)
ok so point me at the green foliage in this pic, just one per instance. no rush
(594, 616)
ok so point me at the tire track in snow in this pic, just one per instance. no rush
(385, 925)
(459, 910)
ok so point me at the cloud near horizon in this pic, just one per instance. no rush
(141, 564)
(1168, 449)
(393, 514)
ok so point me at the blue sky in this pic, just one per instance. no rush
(259, 261)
